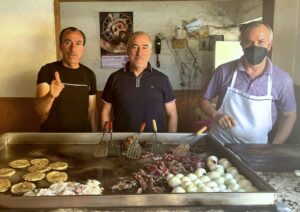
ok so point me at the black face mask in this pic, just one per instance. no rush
(255, 54)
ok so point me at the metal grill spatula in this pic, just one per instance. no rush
(182, 149)
(113, 149)
(102, 147)
(134, 150)
(155, 144)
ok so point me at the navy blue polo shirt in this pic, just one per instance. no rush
(138, 99)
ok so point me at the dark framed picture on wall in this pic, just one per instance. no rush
(115, 29)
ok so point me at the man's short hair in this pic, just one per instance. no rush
(133, 35)
(253, 24)
(73, 29)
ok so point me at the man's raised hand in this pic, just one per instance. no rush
(56, 85)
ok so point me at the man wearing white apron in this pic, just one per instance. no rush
(251, 91)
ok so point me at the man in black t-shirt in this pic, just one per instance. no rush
(66, 90)
(139, 93)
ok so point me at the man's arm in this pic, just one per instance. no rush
(44, 100)
(171, 112)
(105, 113)
(223, 120)
(207, 108)
(45, 96)
(93, 113)
(285, 126)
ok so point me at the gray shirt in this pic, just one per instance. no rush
(282, 87)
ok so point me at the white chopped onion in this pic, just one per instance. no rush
(234, 172)
(205, 189)
(211, 160)
(222, 160)
(179, 175)
(212, 167)
(197, 181)
(211, 184)
(185, 178)
(174, 181)
(178, 190)
(222, 187)
(213, 175)
(216, 189)
(244, 183)
(220, 180)
(231, 168)
(191, 188)
(233, 187)
(226, 164)
(231, 181)
(228, 176)
(250, 189)
(185, 184)
(240, 177)
(169, 176)
(218, 168)
(192, 176)
(200, 185)
(200, 172)
(204, 178)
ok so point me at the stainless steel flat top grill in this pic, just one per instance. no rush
(77, 149)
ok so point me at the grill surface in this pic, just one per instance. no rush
(77, 149)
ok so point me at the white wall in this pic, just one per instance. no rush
(152, 17)
(286, 44)
(296, 72)
(27, 42)
(28, 35)
(248, 10)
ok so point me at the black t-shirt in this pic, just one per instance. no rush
(69, 111)
(68, 75)
(138, 99)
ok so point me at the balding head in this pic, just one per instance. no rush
(138, 33)
(245, 28)
(139, 50)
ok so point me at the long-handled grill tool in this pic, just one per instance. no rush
(155, 144)
(102, 147)
(134, 150)
(182, 149)
(113, 149)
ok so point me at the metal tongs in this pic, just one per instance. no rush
(102, 147)
(182, 149)
(155, 144)
(113, 149)
(134, 150)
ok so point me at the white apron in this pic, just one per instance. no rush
(252, 114)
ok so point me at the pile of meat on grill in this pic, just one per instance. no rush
(151, 179)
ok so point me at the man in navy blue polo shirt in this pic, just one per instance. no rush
(139, 93)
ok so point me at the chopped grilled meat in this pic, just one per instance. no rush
(152, 178)
(125, 183)
(125, 143)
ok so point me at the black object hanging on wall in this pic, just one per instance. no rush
(157, 48)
